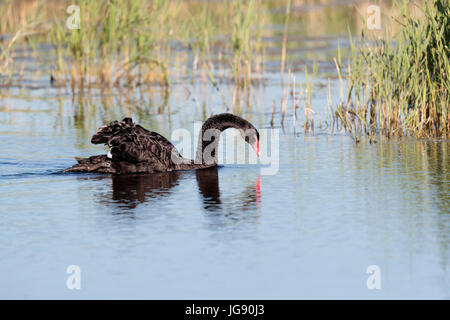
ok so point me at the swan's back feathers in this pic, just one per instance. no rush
(132, 144)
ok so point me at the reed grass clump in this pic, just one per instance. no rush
(399, 85)
(128, 43)
(17, 26)
(118, 42)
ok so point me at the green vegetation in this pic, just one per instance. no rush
(20, 27)
(117, 43)
(399, 85)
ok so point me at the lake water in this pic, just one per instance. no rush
(311, 230)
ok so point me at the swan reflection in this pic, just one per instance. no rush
(131, 190)
(208, 186)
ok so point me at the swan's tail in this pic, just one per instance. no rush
(100, 163)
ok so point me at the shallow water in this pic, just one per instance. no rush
(310, 231)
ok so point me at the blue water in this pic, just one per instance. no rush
(309, 231)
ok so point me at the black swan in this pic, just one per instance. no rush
(135, 149)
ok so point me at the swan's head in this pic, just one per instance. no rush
(224, 121)
(251, 136)
(106, 133)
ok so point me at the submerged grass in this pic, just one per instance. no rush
(399, 85)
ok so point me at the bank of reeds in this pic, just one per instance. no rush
(15, 27)
(128, 43)
(117, 43)
(229, 35)
(399, 84)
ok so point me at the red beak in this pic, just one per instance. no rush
(255, 146)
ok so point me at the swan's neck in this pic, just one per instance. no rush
(208, 140)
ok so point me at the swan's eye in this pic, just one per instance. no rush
(251, 139)
(250, 135)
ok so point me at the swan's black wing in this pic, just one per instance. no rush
(141, 146)
(134, 144)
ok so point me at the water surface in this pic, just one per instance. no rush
(309, 231)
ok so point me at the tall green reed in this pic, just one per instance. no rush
(119, 42)
(399, 84)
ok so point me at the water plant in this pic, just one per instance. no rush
(118, 42)
(13, 30)
(399, 84)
